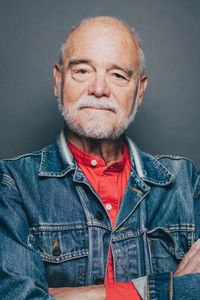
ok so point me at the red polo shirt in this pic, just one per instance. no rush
(109, 181)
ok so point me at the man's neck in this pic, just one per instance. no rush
(109, 150)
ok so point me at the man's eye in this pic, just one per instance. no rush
(119, 76)
(81, 74)
(82, 71)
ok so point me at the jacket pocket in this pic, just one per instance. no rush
(168, 247)
(64, 250)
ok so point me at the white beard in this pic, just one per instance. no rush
(96, 127)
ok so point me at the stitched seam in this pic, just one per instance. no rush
(52, 228)
(148, 291)
(173, 157)
(20, 156)
(170, 229)
(164, 170)
(170, 282)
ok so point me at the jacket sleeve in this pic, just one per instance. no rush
(22, 270)
(165, 286)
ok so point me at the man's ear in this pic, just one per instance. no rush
(56, 72)
(143, 86)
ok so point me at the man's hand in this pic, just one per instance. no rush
(191, 261)
(93, 292)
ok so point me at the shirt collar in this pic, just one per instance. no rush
(57, 160)
(92, 161)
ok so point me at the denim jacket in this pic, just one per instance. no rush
(56, 232)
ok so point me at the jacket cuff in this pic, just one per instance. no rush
(160, 286)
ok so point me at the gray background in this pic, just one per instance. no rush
(31, 33)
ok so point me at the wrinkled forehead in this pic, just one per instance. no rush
(111, 34)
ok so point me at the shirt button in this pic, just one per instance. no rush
(108, 206)
(99, 215)
(93, 163)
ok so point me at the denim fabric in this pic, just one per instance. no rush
(47, 204)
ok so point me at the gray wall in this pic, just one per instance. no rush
(31, 33)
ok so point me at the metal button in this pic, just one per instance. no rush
(99, 280)
(108, 206)
(56, 251)
(93, 163)
(99, 215)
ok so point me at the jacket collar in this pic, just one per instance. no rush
(148, 168)
(57, 160)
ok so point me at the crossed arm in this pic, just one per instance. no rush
(189, 264)
(97, 292)
(34, 286)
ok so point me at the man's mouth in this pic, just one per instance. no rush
(97, 108)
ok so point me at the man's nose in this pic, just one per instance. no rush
(99, 87)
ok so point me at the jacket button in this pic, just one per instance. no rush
(99, 280)
(56, 251)
(99, 215)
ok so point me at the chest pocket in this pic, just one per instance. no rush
(167, 248)
(64, 250)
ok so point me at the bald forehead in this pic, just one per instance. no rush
(105, 24)
(103, 21)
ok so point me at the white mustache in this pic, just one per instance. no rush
(92, 101)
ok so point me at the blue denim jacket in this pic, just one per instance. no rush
(56, 232)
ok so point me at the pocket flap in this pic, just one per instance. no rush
(176, 242)
(71, 241)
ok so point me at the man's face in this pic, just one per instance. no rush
(100, 80)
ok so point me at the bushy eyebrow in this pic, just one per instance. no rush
(79, 60)
(123, 68)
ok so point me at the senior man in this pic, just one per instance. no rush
(91, 216)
